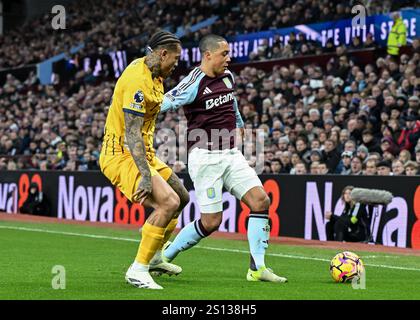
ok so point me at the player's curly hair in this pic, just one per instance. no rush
(163, 39)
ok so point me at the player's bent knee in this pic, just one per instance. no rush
(211, 222)
(266, 202)
(261, 203)
(171, 203)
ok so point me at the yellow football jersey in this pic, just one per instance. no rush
(138, 93)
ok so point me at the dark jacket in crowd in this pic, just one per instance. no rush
(36, 203)
(332, 159)
(342, 228)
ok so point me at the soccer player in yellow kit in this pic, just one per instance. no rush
(128, 159)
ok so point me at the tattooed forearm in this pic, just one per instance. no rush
(133, 126)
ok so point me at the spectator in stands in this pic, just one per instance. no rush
(3, 164)
(300, 168)
(417, 152)
(323, 168)
(356, 44)
(410, 134)
(350, 146)
(303, 150)
(413, 103)
(276, 166)
(47, 120)
(370, 142)
(369, 42)
(370, 167)
(404, 156)
(344, 166)
(397, 37)
(285, 159)
(356, 166)
(388, 145)
(411, 168)
(384, 168)
(313, 167)
(397, 168)
(362, 152)
(331, 155)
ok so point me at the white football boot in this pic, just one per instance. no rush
(159, 265)
(141, 279)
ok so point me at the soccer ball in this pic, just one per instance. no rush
(346, 266)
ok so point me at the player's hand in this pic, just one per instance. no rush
(241, 135)
(143, 190)
(328, 215)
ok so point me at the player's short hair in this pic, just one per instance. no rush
(163, 39)
(210, 42)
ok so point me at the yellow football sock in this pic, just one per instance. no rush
(168, 231)
(151, 240)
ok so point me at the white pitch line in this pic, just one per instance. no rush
(94, 236)
(306, 258)
(378, 257)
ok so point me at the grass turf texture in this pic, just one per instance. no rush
(95, 268)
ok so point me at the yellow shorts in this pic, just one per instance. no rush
(122, 171)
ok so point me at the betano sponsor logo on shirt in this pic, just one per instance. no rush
(210, 103)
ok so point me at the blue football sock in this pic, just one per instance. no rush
(188, 237)
(258, 235)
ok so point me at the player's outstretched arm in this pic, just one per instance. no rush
(133, 127)
(184, 93)
(239, 121)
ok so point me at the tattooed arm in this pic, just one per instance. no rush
(133, 127)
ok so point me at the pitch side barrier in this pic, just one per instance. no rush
(298, 203)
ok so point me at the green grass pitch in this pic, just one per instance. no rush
(95, 261)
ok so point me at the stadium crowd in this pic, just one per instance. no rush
(342, 118)
(125, 24)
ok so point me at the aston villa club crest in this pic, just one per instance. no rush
(211, 193)
(227, 82)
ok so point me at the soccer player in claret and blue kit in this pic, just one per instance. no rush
(207, 98)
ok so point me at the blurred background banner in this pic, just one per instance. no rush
(298, 203)
(341, 32)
